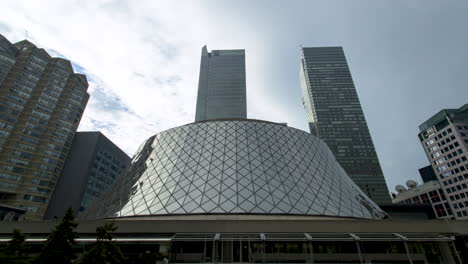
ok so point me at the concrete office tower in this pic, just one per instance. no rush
(94, 163)
(221, 85)
(41, 104)
(335, 115)
(444, 138)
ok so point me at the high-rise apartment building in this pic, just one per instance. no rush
(335, 115)
(41, 104)
(93, 165)
(221, 85)
(444, 138)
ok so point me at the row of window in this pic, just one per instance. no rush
(14, 169)
(40, 190)
(41, 62)
(43, 183)
(24, 89)
(8, 114)
(457, 197)
(430, 197)
(442, 210)
(4, 133)
(8, 185)
(456, 161)
(30, 209)
(460, 205)
(462, 213)
(10, 177)
(449, 147)
(459, 169)
(33, 198)
(457, 188)
(439, 136)
(456, 179)
(454, 171)
(25, 95)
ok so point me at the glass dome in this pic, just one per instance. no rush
(234, 167)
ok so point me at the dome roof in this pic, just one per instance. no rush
(234, 166)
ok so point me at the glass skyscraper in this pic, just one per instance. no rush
(221, 86)
(41, 104)
(335, 115)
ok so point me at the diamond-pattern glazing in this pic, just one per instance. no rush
(235, 167)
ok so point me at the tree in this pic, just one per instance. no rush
(15, 250)
(104, 250)
(59, 247)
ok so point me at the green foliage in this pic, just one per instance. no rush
(104, 250)
(15, 250)
(59, 247)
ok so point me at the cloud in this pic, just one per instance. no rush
(141, 59)
(142, 73)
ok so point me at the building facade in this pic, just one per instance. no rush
(93, 165)
(269, 239)
(221, 85)
(41, 104)
(335, 116)
(444, 138)
(428, 193)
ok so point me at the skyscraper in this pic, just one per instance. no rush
(93, 165)
(41, 104)
(335, 115)
(221, 85)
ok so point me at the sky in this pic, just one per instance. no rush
(408, 59)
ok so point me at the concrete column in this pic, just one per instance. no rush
(446, 252)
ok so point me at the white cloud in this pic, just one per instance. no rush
(141, 58)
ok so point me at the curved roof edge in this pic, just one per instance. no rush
(233, 216)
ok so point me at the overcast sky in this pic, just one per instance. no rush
(408, 59)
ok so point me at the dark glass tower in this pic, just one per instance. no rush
(93, 165)
(221, 86)
(335, 115)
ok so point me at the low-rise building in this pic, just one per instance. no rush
(428, 193)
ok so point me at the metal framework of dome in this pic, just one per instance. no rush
(234, 166)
